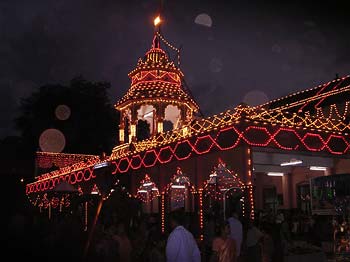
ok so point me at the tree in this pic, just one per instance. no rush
(91, 126)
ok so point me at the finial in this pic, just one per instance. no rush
(157, 21)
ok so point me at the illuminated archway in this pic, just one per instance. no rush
(148, 194)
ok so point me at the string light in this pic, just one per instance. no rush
(179, 187)
(249, 163)
(337, 144)
(147, 190)
(201, 224)
(310, 91)
(46, 159)
(230, 119)
(157, 80)
(45, 201)
(163, 213)
(317, 105)
(251, 196)
(86, 216)
(222, 182)
(95, 190)
(108, 195)
(243, 206)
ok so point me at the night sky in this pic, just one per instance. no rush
(252, 51)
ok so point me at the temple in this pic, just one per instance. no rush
(168, 156)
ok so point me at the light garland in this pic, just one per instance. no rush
(47, 159)
(243, 206)
(298, 139)
(249, 186)
(179, 187)
(251, 198)
(156, 79)
(55, 201)
(85, 216)
(310, 90)
(230, 119)
(95, 190)
(162, 213)
(222, 182)
(147, 191)
(201, 223)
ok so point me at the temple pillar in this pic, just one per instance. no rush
(160, 115)
(287, 190)
(133, 123)
(122, 128)
(183, 115)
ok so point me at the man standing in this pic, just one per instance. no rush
(236, 231)
(181, 245)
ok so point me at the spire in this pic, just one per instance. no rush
(157, 78)
(156, 42)
(157, 86)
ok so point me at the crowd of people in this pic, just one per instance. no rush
(140, 239)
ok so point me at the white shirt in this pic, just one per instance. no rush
(182, 247)
(236, 232)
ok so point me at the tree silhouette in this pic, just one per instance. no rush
(91, 127)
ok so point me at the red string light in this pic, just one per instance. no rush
(298, 139)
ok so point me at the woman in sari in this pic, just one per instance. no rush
(224, 247)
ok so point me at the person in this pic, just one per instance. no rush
(223, 247)
(209, 234)
(285, 234)
(124, 243)
(181, 245)
(267, 244)
(236, 231)
(157, 253)
(253, 243)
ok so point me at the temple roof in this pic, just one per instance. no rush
(334, 92)
(156, 91)
(156, 79)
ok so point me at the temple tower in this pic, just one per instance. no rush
(157, 95)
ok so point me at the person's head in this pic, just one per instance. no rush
(224, 228)
(234, 213)
(251, 223)
(176, 217)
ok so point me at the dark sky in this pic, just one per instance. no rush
(253, 51)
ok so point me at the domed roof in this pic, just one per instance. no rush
(156, 78)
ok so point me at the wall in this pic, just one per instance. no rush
(341, 166)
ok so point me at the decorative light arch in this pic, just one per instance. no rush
(148, 194)
(222, 180)
(180, 191)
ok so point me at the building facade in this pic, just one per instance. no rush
(262, 156)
